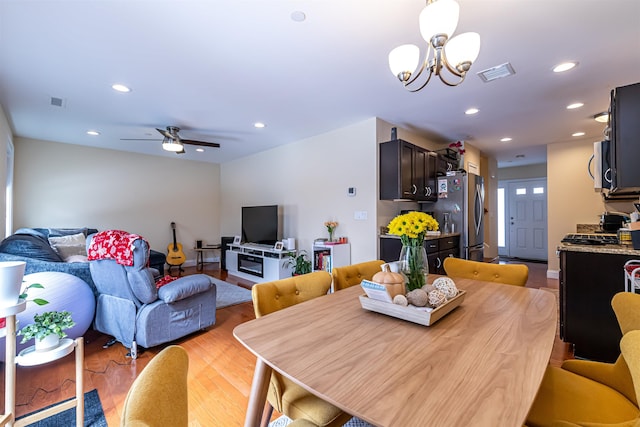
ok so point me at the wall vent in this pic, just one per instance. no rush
(496, 72)
(57, 102)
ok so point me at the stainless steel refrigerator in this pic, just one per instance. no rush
(461, 197)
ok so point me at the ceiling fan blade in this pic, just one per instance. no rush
(166, 134)
(200, 143)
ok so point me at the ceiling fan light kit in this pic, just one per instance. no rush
(173, 146)
(438, 21)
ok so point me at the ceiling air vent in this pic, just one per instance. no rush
(56, 102)
(496, 72)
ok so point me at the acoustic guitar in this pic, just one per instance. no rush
(175, 256)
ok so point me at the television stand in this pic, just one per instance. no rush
(258, 263)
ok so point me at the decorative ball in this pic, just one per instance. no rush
(437, 298)
(447, 286)
(428, 288)
(400, 300)
(64, 291)
(418, 297)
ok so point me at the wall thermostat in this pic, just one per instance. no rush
(351, 191)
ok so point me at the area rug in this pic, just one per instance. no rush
(228, 294)
(93, 414)
(353, 422)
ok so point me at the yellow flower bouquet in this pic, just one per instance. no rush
(412, 227)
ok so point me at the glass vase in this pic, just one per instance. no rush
(331, 236)
(414, 265)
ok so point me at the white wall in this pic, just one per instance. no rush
(523, 172)
(309, 180)
(64, 185)
(5, 138)
(571, 197)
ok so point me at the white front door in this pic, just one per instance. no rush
(527, 219)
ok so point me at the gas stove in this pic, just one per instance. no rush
(591, 239)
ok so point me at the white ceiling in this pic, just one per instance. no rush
(215, 67)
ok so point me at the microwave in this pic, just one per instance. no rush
(601, 160)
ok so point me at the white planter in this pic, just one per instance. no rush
(49, 342)
(11, 273)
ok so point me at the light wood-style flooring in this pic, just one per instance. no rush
(220, 368)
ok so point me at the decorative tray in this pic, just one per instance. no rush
(420, 315)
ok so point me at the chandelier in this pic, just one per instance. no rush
(438, 21)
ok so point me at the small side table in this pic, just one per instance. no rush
(200, 254)
(28, 357)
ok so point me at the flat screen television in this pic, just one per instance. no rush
(260, 224)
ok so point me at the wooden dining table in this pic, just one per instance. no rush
(479, 365)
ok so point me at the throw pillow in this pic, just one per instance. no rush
(66, 246)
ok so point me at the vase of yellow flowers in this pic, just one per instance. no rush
(331, 226)
(412, 227)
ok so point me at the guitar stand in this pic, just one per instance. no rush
(180, 269)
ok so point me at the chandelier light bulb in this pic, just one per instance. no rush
(462, 48)
(439, 17)
(404, 60)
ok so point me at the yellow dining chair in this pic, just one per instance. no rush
(510, 274)
(158, 397)
(591, 393)
(351, 275)
(284, 395)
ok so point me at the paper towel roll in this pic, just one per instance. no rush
(290, 243)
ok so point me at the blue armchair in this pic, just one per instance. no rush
(135, 312)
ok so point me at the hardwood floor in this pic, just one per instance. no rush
(220, 368)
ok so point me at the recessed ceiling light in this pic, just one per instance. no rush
(120, 88)
(506, 139)
(298, 16)
(575, 105)
(602, 117)
(200, 150)
(471, 111)
(93, 132)
(259, 125)
(578, 134)
(565, 66)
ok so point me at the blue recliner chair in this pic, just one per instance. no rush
(135, 312)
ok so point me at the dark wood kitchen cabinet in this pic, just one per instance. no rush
(588, 282)
(437, 248)
(407, 172)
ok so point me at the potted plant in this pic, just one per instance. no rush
(300, 262)
(47, 329)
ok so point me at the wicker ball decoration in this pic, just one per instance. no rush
(418, 297)
(447, 286)
(437, 298)
(400, 300)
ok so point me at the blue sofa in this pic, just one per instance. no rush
(32, 246)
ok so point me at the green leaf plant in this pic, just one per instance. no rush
(25, 294)
(47, 323)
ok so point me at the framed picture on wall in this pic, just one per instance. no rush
(236, 240)
(278, 246)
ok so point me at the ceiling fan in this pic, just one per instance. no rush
(174, 143)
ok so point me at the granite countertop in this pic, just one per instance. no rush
(600, 249)
(392, 236)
